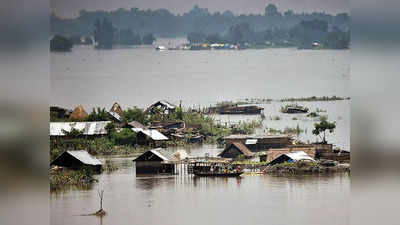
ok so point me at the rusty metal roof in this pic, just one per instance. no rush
(241, 147)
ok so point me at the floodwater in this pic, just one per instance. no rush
(172, 200)
(140, 76)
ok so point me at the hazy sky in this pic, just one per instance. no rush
(70, 8)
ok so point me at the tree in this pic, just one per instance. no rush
(271, 10)
(241, 33)
(307, 32)
(127, 37)
(148, 39)
(124, 137)
(99, 115)
(103, 33)
(213, 38)
(195, 38)
(337, 39)
(135, 114)
(60, 44)
(322, 127)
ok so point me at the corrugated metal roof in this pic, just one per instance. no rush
(136, 124)
(85, 157)
(115, 115)
(169, 105)
(251, 141)
(153, 134)
(300, 155)
(243, 149)
(164, 154)
(88, 128)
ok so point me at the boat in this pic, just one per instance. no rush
(294, 109)
(249, 110)
(215, 169)
(212, 174)
(161, 48)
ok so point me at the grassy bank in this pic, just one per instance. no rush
(61, 176)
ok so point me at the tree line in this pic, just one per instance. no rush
(163, 23)
(105, 35)
(306, 34)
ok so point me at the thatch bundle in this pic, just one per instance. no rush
(79, 113)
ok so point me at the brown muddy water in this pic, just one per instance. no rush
(140, 76)
(173, 200)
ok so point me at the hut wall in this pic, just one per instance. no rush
(153, 167)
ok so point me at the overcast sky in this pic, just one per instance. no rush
(70, 8)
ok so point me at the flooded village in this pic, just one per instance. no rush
(151, 135)
(202, 117)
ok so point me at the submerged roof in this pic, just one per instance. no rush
(163, 154)
(300, 155)
(152, 133)
(241, 147)
(88, 128)
(85, 157)
(295, 156)
(82, 156)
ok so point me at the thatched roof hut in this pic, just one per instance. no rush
(117, 109)
(79, 113)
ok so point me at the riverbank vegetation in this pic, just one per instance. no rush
(287, 130)
(315, 99)
(60, 176)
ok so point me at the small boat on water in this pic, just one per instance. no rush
(215, 169)
(161, 48)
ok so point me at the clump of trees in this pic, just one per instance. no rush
(104, 33)
(324, 126)
(60, 44)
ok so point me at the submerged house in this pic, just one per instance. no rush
(147, 136)
(155, 161)
(275, 153)
(235, 149)
(257, 143)
(77, 160)
(292, 157)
